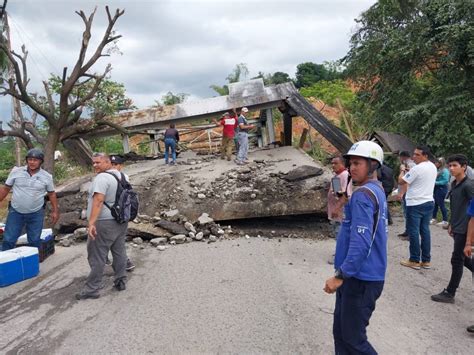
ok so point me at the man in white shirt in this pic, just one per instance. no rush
(419, 201)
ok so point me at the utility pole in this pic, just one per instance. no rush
(15, 103)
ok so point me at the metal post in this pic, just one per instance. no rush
(287, 128)
(125, 143)
(270, 127)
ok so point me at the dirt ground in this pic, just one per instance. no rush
(244, 295)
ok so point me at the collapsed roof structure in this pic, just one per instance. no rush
(252, 94)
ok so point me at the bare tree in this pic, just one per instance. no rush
(63, 117)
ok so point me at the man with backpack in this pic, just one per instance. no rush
(104, 231)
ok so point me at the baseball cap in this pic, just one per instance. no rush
(117, 159)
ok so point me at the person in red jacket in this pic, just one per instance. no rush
(229, 123)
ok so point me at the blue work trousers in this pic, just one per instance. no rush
(418, 227)
(355, 302)
(15, 223)
(243, 138)
(170, 144)
(439, 194)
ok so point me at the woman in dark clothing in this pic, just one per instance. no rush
(171, 139)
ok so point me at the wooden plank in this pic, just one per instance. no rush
(328, 130)
(304, 135)
(287, 129)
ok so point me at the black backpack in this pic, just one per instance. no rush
(125, 207)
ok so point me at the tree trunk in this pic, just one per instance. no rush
(52, 140)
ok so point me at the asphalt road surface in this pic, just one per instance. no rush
(252, 295)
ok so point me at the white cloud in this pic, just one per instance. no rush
(185, 45)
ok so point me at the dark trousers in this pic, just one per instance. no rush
(458, 261)
(355, 302)
(439, 194)
(389, 217)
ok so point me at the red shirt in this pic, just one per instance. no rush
(229, 124)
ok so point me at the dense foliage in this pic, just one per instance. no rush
(413, 62)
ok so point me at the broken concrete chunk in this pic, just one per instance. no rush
(302, 173)
(191, 235)
(174, 228)
(80, 234)
(65, 242)
(170, 213)
(158, 241)
(138, 240)
(201, 196)
(161, 247)
(189, 227)
(212, 238)
(199, 236)
(178, 239)
(205, 219)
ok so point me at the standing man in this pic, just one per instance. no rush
(243, 137)
(385, 176)
(171, 140)
(104, 232)
(419, 199)
(470, 242)
(229, 123)
(117, 164)
(361, 253)
(405, 164)
(337, 199)
(462, 191)
(29, 183)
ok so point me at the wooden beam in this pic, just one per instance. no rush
(304, 134)
(287, 128)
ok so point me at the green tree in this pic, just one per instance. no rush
(75, 92)
(239, 73)
(330, 91)
(171, 99)
(413, 62)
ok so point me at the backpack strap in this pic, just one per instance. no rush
(373, 197)
(117, 191)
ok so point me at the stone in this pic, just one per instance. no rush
(173, 227)
(205, 219)
(80, 234)
(199, 236)
(144, 218)
(84, 214)
(189, 239)
(212, 238)
(253, 196)
(147, 231)
(189, 226)
(178, 239)
(201, 196)
(220, 231)
(158, 241)
(161, 247)
(170, 213)
(302, 173)
(138, 240)
(65, 242)
(191, 235)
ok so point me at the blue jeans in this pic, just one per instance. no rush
(243, 138)
(170, 144)
(418, 224)
(440, 192)
(355, 302)
(15, 223)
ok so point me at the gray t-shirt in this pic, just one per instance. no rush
(29, 190)
(104, 184)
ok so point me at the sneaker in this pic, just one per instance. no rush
(442, 223)
(470, 329)
(120, 285)
(85, 296)
(412, 264)
(433, 221)
(130, 266)
(425, 265)
(444, 297)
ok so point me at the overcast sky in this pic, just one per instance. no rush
(184, 46)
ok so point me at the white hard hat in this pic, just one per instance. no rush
(366, 149)
(245, 109)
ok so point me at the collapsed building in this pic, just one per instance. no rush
(281, 180)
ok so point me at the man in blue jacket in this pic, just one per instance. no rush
(361, 252)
